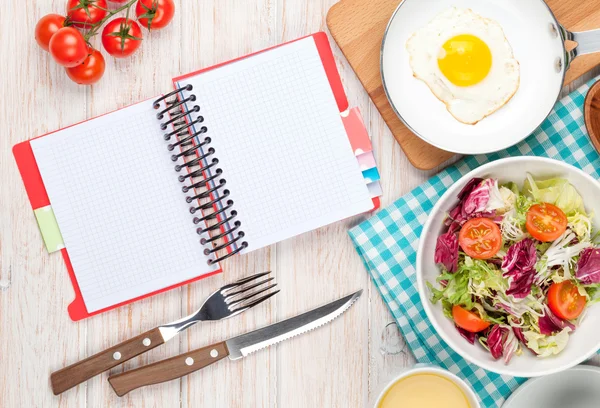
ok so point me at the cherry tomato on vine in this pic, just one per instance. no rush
(84, 13)
(121, 37)
(90, 70)
(67, 47)
(46, 28)
(155, 14)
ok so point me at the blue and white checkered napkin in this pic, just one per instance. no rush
(387, 242)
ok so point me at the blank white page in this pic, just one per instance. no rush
(281, 143)
(119, 206)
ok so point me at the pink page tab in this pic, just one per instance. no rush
(357, 132)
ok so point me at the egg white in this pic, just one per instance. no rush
(468, 104)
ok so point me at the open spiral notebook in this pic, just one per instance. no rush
(238, 157)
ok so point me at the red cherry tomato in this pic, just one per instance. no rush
(480, 238)
(67, 47)
(46, 28)
(90, 70)
(121, 37)
(84, 13)
(545, 222)
(565, 301)
(468, 320)
(155, 14)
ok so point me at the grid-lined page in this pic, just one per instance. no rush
(281, 143)
(119, 206)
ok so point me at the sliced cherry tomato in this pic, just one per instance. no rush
(480, 238)
(565, 301)
(90, 70)
(46, 28)
(546, 222)
(121, 37)
(468, 320)
(84, 13)
(67, 47)
(155, 14)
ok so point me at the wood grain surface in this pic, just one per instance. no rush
(344, 364)
(168, 369)
(592, 114)
(104, 360)
(358, 27)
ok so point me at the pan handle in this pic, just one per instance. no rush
(587, 42)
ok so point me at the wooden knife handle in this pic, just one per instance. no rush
(83, 370)
(169, 369)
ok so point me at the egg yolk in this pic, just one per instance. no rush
(465, 60)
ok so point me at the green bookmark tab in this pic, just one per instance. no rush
(49, 229)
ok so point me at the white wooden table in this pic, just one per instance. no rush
(340, 365)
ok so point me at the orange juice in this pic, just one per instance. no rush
(424, 390)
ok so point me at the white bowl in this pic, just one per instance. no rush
(430, 369)
(583, 343)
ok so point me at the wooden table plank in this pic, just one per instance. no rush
(144, 75)
(35, 334)
(220, 31)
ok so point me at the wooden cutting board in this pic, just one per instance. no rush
(357, 26)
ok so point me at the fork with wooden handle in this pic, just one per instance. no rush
(228, 301)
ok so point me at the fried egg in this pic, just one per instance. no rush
(467, 62)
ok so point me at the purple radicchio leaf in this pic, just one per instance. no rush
(466, 190)
(474, 204)
(519, 333)
(588, 266)
(505, 308)
(550, 323)
(446, 251)
(511, 345)
(495, 340)
(518, 265)
(470, 337)
(455, 218)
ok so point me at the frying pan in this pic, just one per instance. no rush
(538, 43)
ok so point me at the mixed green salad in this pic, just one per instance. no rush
(518, 267)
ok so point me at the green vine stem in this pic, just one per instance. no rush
(93, 30)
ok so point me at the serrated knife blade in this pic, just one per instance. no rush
(245, 344)
(234, 348)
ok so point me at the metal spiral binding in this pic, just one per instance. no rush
(207, 191)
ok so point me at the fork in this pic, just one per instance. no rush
(228, 301)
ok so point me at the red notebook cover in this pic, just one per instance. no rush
(38, 197)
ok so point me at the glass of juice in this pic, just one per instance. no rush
(426, 386)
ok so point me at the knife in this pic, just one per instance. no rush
(228, 301)
(234, 348)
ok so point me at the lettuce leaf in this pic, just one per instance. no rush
(501, 199)
(473, 279)
(545, 346)
(555, 191)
